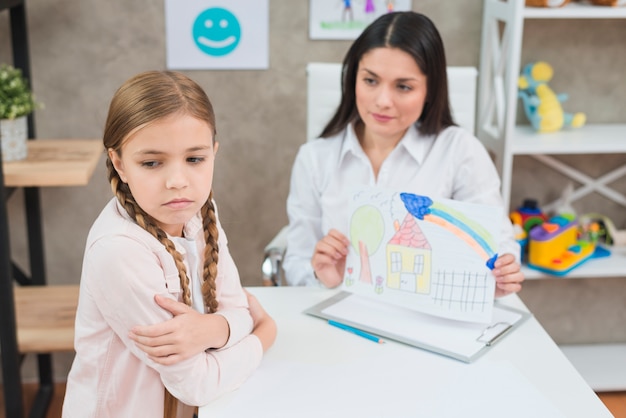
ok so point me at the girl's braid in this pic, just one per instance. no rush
(211, 256)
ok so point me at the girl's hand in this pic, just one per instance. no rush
(264, 325)
(181, 337)
(329, 258)
(509, 276)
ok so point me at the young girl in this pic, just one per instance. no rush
(393, 129)
(159, 241)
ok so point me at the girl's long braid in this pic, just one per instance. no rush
(211, 253)
(125, 197)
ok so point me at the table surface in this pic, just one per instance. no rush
(54, 162)
(316, 370)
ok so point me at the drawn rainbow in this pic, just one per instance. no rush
(479, 239)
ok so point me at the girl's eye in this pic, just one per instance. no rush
(149, 164)
(195, 160)
(404, 87)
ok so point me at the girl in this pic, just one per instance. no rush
(393, 129)
(160, 239)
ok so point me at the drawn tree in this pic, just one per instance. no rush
(366, 233)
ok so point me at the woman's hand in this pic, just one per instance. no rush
(329, 258)
(188, 333)
(264, 325)
(509, 276)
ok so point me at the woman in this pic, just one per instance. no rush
(393, 129)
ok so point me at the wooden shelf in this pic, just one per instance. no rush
(45, 317)
(55, 162)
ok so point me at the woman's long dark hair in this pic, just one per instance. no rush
(416, 35)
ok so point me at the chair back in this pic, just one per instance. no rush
(324, 94)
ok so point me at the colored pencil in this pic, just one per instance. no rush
(356, 331)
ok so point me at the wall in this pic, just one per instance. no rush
(82, 50)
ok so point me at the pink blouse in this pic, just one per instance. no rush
(123, 268)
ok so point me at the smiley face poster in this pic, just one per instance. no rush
(213, 34)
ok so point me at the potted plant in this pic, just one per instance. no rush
(16, 103)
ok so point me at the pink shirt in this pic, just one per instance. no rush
(123, 268)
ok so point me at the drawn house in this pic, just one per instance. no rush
(409, 259)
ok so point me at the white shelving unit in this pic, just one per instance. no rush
(501, 46)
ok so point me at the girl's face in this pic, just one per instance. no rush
(168, 166)
(390, 93)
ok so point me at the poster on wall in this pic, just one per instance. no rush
(346, 19)
(214, 34)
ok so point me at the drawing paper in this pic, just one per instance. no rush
(426, 254)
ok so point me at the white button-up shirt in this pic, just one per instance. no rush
(452, 165)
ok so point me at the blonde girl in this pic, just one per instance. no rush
(163, 324)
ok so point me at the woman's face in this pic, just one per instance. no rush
(390, 93)
(168, 166)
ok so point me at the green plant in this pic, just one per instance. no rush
(16, 98)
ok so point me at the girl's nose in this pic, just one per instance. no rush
(176, 179)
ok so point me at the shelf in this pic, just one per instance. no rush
(589, 139)
(575, 11)
(612, 266)
(54, 162)
(45, 318)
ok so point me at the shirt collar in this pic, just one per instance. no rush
(414, 144)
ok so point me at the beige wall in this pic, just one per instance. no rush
(82, 50)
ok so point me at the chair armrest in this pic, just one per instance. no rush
(273, 259)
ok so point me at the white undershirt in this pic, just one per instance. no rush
(190, 255)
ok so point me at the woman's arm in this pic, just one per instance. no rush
(305, 220)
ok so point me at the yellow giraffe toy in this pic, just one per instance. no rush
(541, 104)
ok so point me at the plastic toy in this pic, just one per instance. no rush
(541, 104)
(556, 246)
(528, 215)
(604, 229)
(524, 218)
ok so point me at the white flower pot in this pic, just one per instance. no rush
(13, 137)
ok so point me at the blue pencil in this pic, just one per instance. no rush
(356, 331)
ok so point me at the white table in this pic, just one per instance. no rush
(316, 370)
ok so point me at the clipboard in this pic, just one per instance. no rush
(464, 341)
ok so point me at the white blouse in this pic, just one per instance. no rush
(452, 165)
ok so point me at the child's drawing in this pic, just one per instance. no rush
(430, 255)
(346, 19)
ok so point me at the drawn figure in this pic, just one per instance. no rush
(369, 7)
(409, 258)
(366, 233)
(390, 4)
(347, 10)
(349, 280)
(481, 241)
(379, 285)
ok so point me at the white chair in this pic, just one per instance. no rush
(323, 96)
